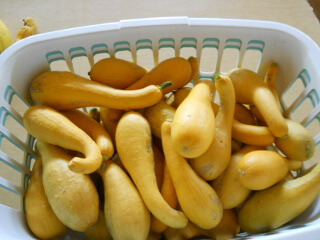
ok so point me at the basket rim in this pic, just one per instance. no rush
(159, 21)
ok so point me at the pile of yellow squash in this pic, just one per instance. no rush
(130, 153)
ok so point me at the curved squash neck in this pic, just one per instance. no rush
(307, 183)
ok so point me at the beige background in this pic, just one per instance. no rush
(60, 14)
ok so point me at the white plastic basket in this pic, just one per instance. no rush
(298, 86)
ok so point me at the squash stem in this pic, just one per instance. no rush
(217, 76)
(165, 84)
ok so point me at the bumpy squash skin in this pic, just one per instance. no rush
(72, 196)
(298, 144)
(228, 227)
(66, 90)
(261, 169)
(116, 73)
(251, 89)
(99, 230)
(134, 146)
(40, 217)
(48, 125)
(275, 206)
(213, 162)
(157, 114)
(126, 215)
(196, 197)
(193, 124)
(228, 187)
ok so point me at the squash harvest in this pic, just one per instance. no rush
(151, 159)
(134, 144)
(196, 197)
(213, 162)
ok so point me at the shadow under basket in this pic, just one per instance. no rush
(219, 44)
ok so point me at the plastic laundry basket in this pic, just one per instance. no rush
(219, 44)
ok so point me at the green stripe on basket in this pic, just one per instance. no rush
(77, 52)
(233, 43)
(256, 45)
(10, 165)
(4, 113)
(3, 136)
(99, 48)
(122, 46)
(10, 93)
(54, 56)
(9, 189)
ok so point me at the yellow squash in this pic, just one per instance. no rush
(5, 37)
(251, 89)
(72, 196)
(157, 114)
(193, 124)
(228, 227)
(109, 124)
(177, 70)
(116, 72)
(126, 215)
(191, 231)
(252, 134)
(158, 164)
(228, 187)
(261, 169)
(298, 144)
(48, 125)
(94, 129)
(134, 146)
(29, 28)
(169, 194)
(243, 114)
(270, 79)
(66, 90)
(213, 162)
(196, 197)
(179, 95)
(99, 230)
(41, 219)
(273, 207)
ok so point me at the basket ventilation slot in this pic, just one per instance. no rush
(99, 51)
(148, 53)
